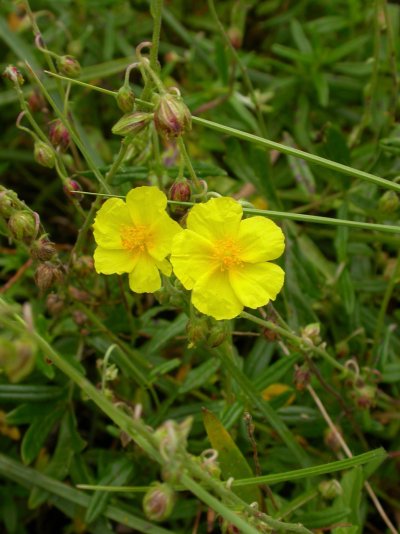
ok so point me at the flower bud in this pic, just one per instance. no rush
(330, 489)
(72, 189)
(83, 265)
(59, 135)
(125, 99)
(311, 334)
(13, 74)
(54, 303)
(69, 66)
(217, 333)
(42, 249)
(158, 502)
(17, 358)
(180, 192)
(22, 225)
(196, 330)
(47, 274)
(365, 396)
(172, 117)
(7, 203)
(235, 37)
(36, 101)
(132, 123)
(389, 202)
(44, 154)
(302, 377)
(332, 438)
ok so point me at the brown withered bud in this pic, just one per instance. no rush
(79, 317)
(54, 303)
(72, 189)
(48, 274)
(79, 294)
(332, 438)
(125, 99)
(59, 135)
(302, 377)
(69, 66)
(83, 265)
(12, 73)
(44, 154)
(172, 117)
(42, 249)
(22, 225)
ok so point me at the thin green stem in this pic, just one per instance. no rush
(272, 145)
(157, 6)
(71, 131)
(296, 340)
(188, 163)
(83, 84)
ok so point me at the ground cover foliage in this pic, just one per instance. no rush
(283, 419)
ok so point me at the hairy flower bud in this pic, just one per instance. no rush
(311, 334)
(22, 225)
(13, 74)
(69, 66)
(197, 330)
(72, 189)
(42, 249)
(218, 333)
(172, 117)
(389, 202)
(47, 274)
(7, 203)
(132, 123)
(159, 501)
(180, 192)
(44, 154)
(36, 101)
(125, 99)
(330, 489)
(54, 303)
(59, 135)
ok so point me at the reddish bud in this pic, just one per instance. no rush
(125, 99)
(59, 135)
(13, 74)
(36, 101)
(235, 37)
(72, 189)
(172, 117)
(302, 377)
(44, 154)
(158, 502)
(69, 66)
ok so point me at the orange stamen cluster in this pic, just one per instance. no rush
(227, 253)
(135, 238)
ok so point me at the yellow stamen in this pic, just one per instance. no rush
(227, 252)
(136, 238)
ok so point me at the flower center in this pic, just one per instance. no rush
(227, 253)
(135, 238)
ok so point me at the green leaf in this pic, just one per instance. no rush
(351, 483)
(37, 433)
(231, 460)
(200, 375)
(117, 474)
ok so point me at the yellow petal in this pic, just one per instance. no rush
(191, 257)
(218, 218)
(163, 231)
(256, 284)
(165, 267)
(213, 295)
(145, 277)
(260, 239)
(145, 204)
(111, 217)
(109, 261)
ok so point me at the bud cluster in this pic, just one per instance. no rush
(204, 329)
(172, 117)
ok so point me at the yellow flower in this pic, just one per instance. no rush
(224, 259)
(135, 237)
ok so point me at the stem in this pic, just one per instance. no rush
(188, 164)
(272, 145)
(385, 301)
(157, 16)
(296, 340)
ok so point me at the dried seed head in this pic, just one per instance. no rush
(48, 274)
(54, 303)
(42, 249)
